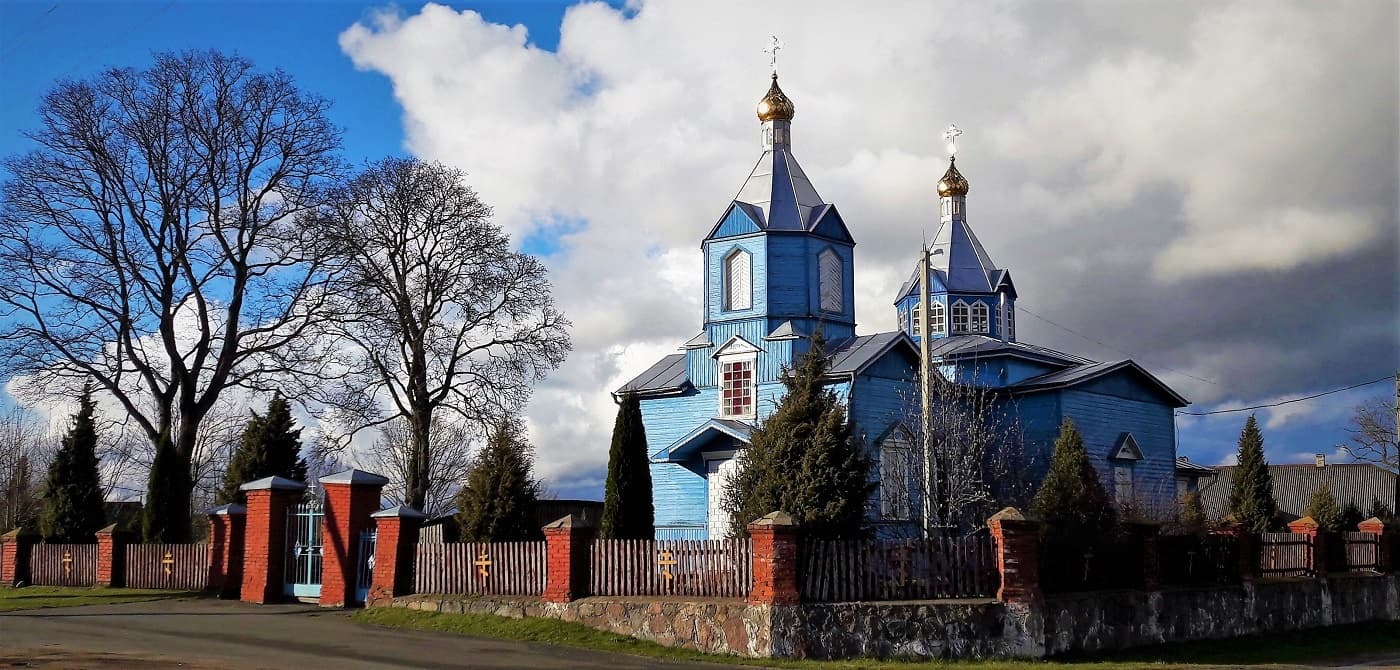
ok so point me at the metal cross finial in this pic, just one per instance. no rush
(772, 51)
(951, 134)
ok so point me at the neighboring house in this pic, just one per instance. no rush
(779, 265)
(1189, 476)
(1358, 484)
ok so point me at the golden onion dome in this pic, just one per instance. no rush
(775, 104)
(952, 183)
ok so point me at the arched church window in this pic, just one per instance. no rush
(896, 466)
(959, 317)
(979, 317)
(935, 317)
(1010, 323)
(738, 280)
(916, 328)
(829, 269)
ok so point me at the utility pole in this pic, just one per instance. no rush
(925, 395)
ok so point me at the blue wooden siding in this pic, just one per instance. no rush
(735, 222)
(1102, 418)
(678, 493)
(1127, 385)
(715, 253)
(669, 419)
(1037, 417)
(787, 277)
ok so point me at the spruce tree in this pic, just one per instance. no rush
(1323, 508)
(497, 501)
(1252, 489)
(803, 460)
(73, 490)
(1193, 514)
(1351, 516)
(628, 513)
(271, 446)
(1072, 505)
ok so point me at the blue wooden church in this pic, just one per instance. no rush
(779, 265)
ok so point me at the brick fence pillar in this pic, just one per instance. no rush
(774, 537)
(566, 559)
(226, 532)
(395, 544)
(1318, 540)
(1384, 550)
(111, 557)
(14, 555)
(1018, 556)
(265, 536)
(351, 497)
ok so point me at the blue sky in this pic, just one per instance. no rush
(1062, 194)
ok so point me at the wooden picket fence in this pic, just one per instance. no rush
(63, 564)
(167, 566)
(924, 569)
(1362, 550)
(698, 568)
(486, 568)
(1285, 555)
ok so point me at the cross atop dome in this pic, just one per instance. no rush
(951, 134)
(953, 184)
(772, 51)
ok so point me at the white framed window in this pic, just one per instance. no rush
(979, 317)
(959, 322)
(1123, 483)
(736, 386)
(904, 319)
(738, 280)
(896, 465)
(1010, 323)
(829, 281)
(935, 317)
(916, 328)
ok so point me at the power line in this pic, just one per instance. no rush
(1291, 400)
(1109, 346)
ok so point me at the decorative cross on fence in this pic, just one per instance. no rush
(67, 562)
(667, 560)
(482, 562)
(168, 561)
(903, 563)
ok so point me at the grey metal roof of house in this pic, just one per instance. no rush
(958, 346)
(1355, 483)
(852, 354)
(1186, 467)
(697, 342)
(668, 374)
(781, 190)
(1083, 373)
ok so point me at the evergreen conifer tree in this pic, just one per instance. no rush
(497, 502)
(1193, 514)
(1072, 502)
(73, 490)
(1351, 516)
(1252, 489)
(803, 460)
(1323, 508)
(628, 513)
(271, 446)
(1379, 510)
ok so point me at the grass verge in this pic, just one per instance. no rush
(38, 597)
(1359, 642)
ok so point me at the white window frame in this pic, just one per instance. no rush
(830, 281)
(935, 316)
(738, 359)
(978, 317)
(916, 324)
(1123, 483)
(959, 323)
(734, 299)
(896, 478)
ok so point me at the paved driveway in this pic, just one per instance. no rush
(214, 635)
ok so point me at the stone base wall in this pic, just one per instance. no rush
(961, 629)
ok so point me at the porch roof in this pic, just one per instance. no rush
(704, 434)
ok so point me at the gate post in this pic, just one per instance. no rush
(394, 549)
(566, 559)
(111, 557)
(1018, 556)
(226, 528)
(14, 561)
(774, 537)
(1377, 527)
(265, 539)
(351, 497)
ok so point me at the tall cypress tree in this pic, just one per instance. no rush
(803, 460)
(497, 502)
(628, 513)
(271, 446)
(73, 490)
(1252, 490)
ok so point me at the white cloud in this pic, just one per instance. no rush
(1191, 142)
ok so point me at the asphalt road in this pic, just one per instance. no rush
(202, 634)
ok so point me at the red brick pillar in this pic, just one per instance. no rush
(111, 557)
(1306, 526)
(1018, 556)
(14, 556)
(226, 531)
(351, 497)
(265, 536)
(396, 540)
(1384, 551)
(774, 537)
(566, 561)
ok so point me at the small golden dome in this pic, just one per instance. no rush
(775, 104)
(952, 182)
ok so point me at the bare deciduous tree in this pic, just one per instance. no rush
(440, 314)
(1373, 434)
(148, 245)
(24, 457)
(392, 456)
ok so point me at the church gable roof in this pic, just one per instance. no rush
(1085, 374)
(981, 346)
(667, 375)
(958, 261)
(704, 434)
(852, 355)
(778, 196)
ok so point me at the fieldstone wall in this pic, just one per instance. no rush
(962, 629)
